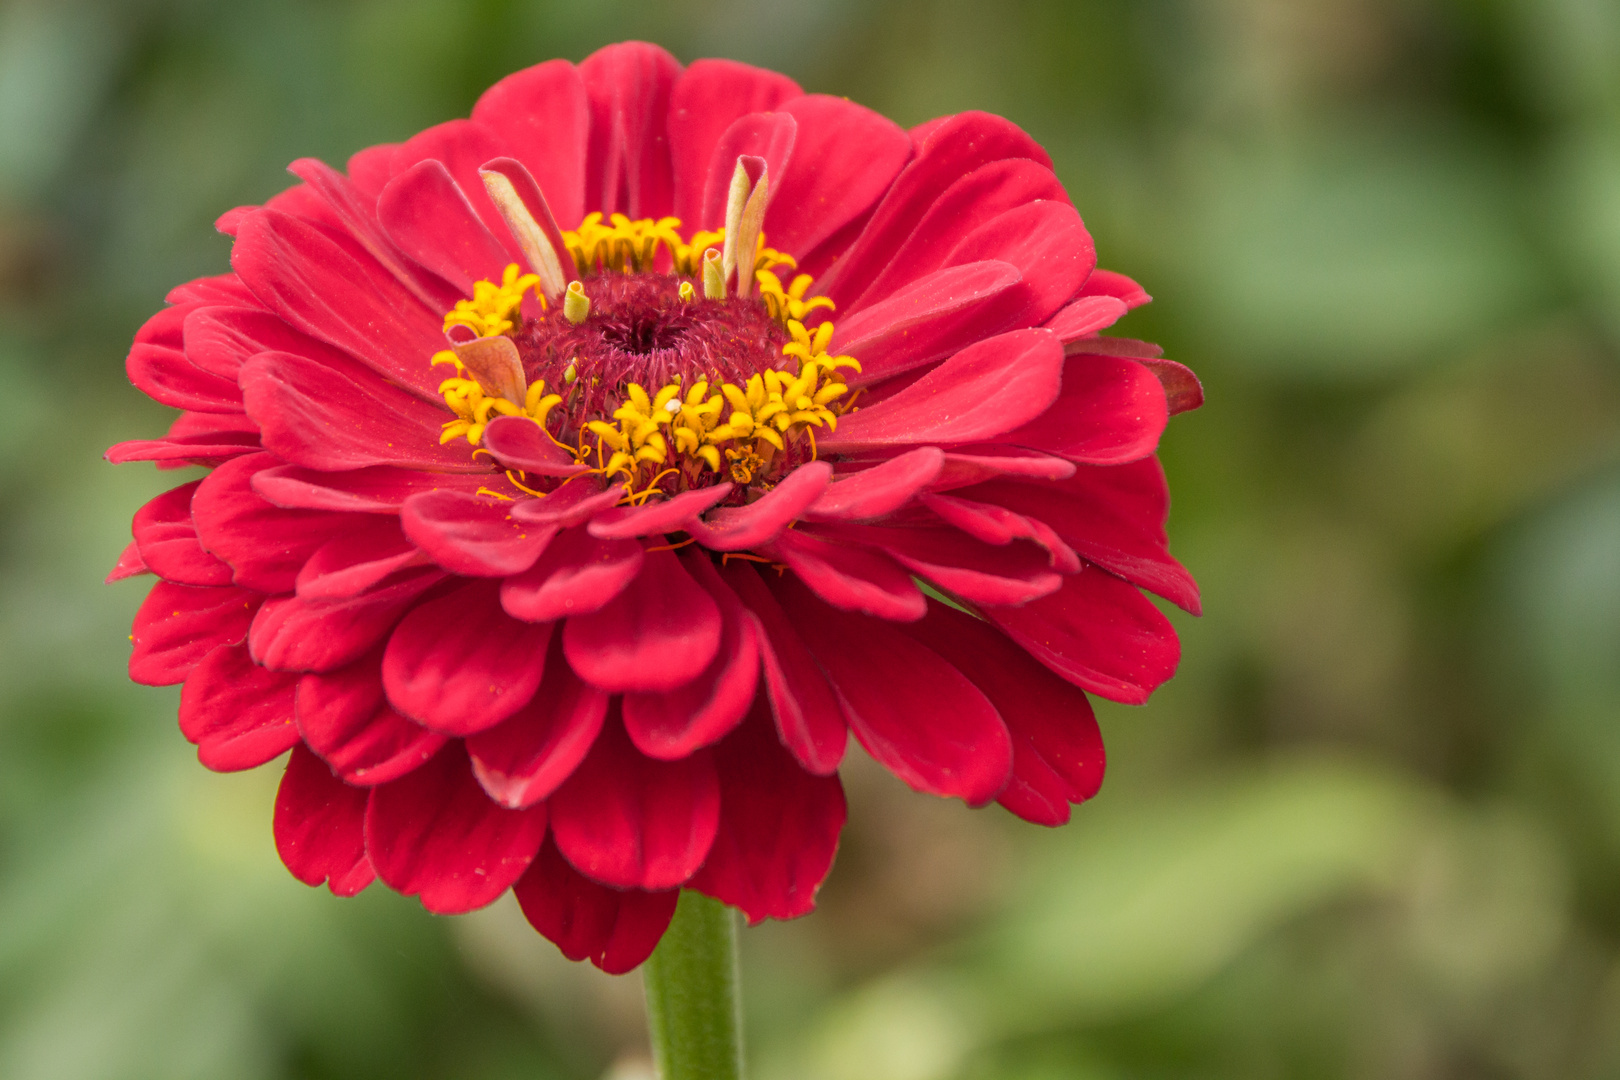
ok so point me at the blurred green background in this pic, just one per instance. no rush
(1371, 830)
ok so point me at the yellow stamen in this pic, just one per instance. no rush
(494, 309)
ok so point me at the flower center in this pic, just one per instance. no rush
(648, 372)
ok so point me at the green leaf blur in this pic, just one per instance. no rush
(1372, 829)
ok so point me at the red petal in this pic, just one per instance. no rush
(998, 525)
(1047, 242)
(265, 545)
(972, 464)
(778, 827)
(613, 929)
(371, 169)
(809, 720)
(844, 159)
(1085, 316)
(360, 221)
(461, 146)
(576, 575)
(519, 443)
(880, 490)
(329, 419)
(345, 719)
(916, 714)
(320, 826)
(434, 834)
(207, 449)
(221, 339)
(960, 565)
(166, 375)
(178, 625)
(1098, 632)
(1057, 749)
(428, 215)
(708, 97)
(654, 519)
(357, 560)
(543, 114)
(659, 633)
(634, 823)
(381, 489)
(977, 198)
(523, 759)
(471, 534)
(459, 664)
(628, 165)
(852, 578)
(167, 541)
(768, 136)
(129, 564)
(761, 521)
(238, 714)
(1182, 390)
(954, 147)
(929, 319)
(986, 389)
(673, 724)
(219, 289)
(1109, 283)
(291, 634)
(1111, 411)
(1112, 516)
(325, 290)
(577, 501)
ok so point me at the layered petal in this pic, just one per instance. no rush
(1099, 633)
(707, 99)
(319, 825)
(360, 558)
(989, 388)
(178, 625)
(458, 664)
(672, 724)
(290, 633)
(1111, 411)
(292, 400)
(339, 296)
(625, 820)
(615, 929)
(471, 534)
(659, 633)
(779, 826)
(543, 114)
(809, 719)
(524, 758)
(576, 575)
(435, 835)
(345, 718)
(236, 713)
(1058, 754)
(627, 163)
(166, 539)
(921, 718)
(265, 545)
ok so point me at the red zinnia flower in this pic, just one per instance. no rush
(563, 560)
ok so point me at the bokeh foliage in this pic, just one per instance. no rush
(1371, 830)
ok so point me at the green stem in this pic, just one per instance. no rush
(693, 1014)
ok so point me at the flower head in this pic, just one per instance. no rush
(583, 473)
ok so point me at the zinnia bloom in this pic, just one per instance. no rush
(582, 473)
